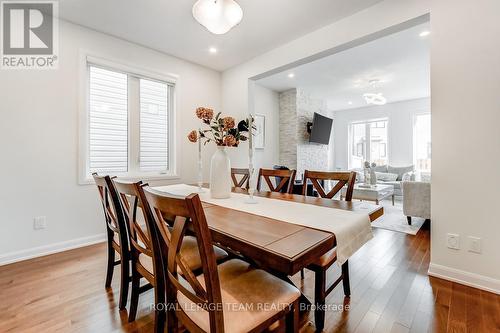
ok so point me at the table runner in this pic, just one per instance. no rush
(352, 229)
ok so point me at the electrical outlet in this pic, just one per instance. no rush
(40, 222)
(453, 241)
(474, 244)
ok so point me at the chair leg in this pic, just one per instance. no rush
(292, 318)
(160, 302)
(111, 265)
(345, 279)
(302, 275)
(409, 219)
(134, 297)
(319, 298)
(124, 280)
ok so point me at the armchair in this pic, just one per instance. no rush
(416, 199)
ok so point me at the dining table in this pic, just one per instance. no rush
(272, 244)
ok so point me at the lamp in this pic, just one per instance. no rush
(218, 16)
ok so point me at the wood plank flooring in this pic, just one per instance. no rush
(391, 292)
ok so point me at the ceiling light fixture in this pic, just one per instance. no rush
(375, 98)
(291, 75)
(350, 103)
(218, 16)
(425, 33)
(212, 50)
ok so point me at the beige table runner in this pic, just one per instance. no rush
(352, 229)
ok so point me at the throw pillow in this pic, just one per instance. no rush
(386, 177)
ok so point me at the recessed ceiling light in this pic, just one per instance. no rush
(425, 33)
(350, 102)
(212, 50)
(291, 75)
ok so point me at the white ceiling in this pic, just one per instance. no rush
(401, 61)
(168, 26)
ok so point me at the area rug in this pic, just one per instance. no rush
(394, 219)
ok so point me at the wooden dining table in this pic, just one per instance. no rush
(274, 245)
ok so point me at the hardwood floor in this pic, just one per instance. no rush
(391, 292)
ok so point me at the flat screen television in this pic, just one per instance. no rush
(321, 129)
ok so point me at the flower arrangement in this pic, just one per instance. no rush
(221, 130)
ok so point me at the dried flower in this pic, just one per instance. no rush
(204, 113)
(193, 136)
(230, 141)
(228, 122)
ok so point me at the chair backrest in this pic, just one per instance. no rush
(187, 211)
(343, 178)
(113, 213)
(140, 238)
(245, 179)
(284, 180)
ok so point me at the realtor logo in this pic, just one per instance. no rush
(29, 33)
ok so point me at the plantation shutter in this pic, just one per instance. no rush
(108, 121)
(153, 126)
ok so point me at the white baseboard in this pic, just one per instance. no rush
(466, 278)
(40, 251)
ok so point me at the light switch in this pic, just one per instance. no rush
(474, 244)
(453, 241)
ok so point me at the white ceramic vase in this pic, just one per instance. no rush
(220, 174)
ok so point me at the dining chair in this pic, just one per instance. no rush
(245, 179)
(322, 264)
(141, 243)
(117, 235)
(283, 179)
(229, 297)
(147, 262)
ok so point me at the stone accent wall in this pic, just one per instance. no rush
(296, 110)
(288, 129)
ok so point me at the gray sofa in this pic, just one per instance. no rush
(386, 174)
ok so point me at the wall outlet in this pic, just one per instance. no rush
(40, 222)
(453, 241)
(474, 244)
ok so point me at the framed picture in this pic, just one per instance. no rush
(260, 132)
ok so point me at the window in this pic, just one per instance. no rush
(368, 143)
(128, 126)
(422, 143)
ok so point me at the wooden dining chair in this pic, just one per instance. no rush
(244, 182)
(209, 302)
(141, 243)
(117, 235)
(146, 257)
(283, 179)
(321, 265)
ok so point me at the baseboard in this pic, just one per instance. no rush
(40, 251)
(466, 278)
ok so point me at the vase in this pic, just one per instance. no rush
(220, 174)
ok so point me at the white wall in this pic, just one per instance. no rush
(465, 88)
(400, 131)
(39, 140)
(267, 104)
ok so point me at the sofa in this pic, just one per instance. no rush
(416, 200)
(391, 175)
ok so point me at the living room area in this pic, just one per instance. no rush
(374, 101)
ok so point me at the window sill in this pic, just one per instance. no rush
(131, 177)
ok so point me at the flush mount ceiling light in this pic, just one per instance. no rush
(375, 98)
(424, 33)
(218, 16)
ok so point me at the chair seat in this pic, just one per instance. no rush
(325, 260)
(260, 294)
(189, 250)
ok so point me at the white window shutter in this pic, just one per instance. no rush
(153, 126)
(108, 121)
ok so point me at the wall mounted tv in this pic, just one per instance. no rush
(320, 129)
